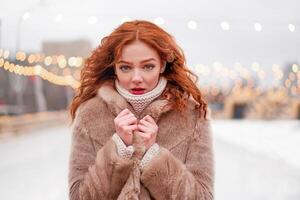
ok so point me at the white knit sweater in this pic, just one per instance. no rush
(139, 103)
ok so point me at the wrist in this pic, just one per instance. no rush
(123, 150)
(149, 155)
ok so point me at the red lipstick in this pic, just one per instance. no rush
(138, 91)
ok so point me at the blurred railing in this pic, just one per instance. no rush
(22, 123)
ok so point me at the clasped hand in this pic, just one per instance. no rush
(126, 123)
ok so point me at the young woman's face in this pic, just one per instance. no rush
(138, 68)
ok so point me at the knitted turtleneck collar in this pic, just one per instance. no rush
(139, 102)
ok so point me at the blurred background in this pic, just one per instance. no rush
(245, 53)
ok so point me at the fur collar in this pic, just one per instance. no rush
(116, 103)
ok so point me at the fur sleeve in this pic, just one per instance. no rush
(166, 177)
(92, 174)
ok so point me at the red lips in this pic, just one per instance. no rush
(138, 91)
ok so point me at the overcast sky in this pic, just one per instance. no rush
(59, 20)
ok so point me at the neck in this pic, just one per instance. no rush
(139, 102)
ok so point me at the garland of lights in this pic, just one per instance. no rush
(38, 70)
(237, 74)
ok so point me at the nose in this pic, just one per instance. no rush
(137, 77)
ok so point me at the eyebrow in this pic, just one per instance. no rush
(123, 61)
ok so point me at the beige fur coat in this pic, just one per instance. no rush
(183, 169)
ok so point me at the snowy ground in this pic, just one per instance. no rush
(255, 160)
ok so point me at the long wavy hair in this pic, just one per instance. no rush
(99, 66)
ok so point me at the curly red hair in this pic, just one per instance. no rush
(99, 67)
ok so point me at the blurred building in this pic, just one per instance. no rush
(26, 94)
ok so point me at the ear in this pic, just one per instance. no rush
(164, 63)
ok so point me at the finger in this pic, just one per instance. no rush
(144, 129)
(144, 122)
(144, 135)
(128, 121)
(123, 112)
(132, 127)
(148, 118)
(127, 116)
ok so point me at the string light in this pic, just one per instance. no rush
(225, 26)
(255, 67)
(58, 18)
(258, 27)
(239, 75)
(6, 54)
(31, 58)
(295, 68)
(72, 61)
(291, 27)
(38, 70)
(26, 16)
(192, 25)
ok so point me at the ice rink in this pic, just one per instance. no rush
(254, 160)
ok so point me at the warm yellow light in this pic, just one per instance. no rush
(38, 70)
(79, 61)
(1, 52)
(11, 67)
(21, 56)
(217, 66)
(21, 70)
(31, 58)
(39, 58)
(6, 54)
(69, 80)
(255, 67)
(17, 69)
(295, 68)
(72, 61)
(61, 61)
(1, 62)
(6, 65)
(48, 60)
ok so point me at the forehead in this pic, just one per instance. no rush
(138, 51)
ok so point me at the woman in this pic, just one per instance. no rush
(141, 126)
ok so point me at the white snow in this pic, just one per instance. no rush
(253, 160)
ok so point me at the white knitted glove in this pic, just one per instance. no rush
(151, 152)
(122, 149)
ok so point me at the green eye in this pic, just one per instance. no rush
(124, 68)
(149, 67)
